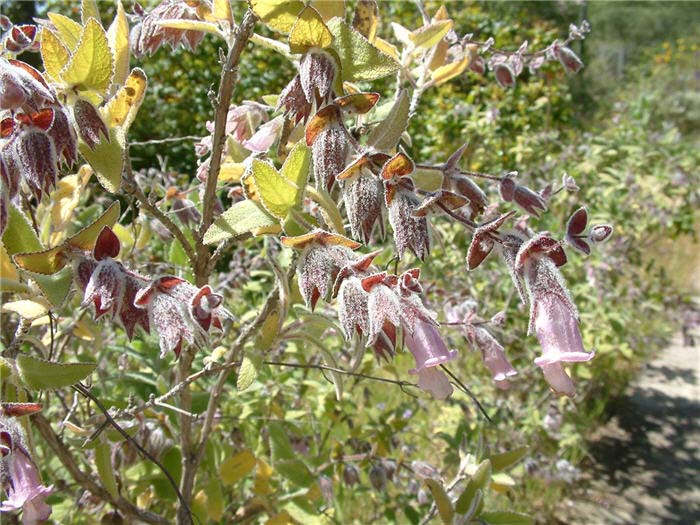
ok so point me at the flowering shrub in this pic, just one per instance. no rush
(309, 182)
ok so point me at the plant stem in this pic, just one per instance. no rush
(229, 78)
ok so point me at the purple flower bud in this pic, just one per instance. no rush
(377, 477)
(528, 200)
(600, 233)
(351, 476)
(568, 58)
(569, 183)
(506, 188)
(317, 72)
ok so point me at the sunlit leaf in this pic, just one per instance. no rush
(91, 66)
(54, 54)
(54, 287)
(85, 238)
(506, 459)
(88, 9)
(19, 236)
(192, 25)
(45, 262)
(243, 217)
(442, 501)
(296, 167)
(27, 308)
(123, 106)
(277, 194)
(366, 18)
(221, 10)
(69, 31)
(103, 461)
(107, 159)
(118, 40)
(476, 483)
(427, 36)
(309, 31)
(279, 15)
(247, 373)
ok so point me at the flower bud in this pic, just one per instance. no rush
(600, 233)
(377, 477)
(351, 476)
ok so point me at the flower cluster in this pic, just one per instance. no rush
(373, 304)
(19, 475)
(178, 311)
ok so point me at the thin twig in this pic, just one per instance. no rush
(466, 390)
(132, 188)
(63, 453)
(167, 140)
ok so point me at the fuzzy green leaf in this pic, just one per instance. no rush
(19, 237)
(360, 60)
(442, 501)
(387, 134)
(476, 483)
(243, 217)
(505, 517)
(37, 374)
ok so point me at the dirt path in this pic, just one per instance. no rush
(646, 467)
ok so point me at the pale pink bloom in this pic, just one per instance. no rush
(266, 136)
(429, 350)
(20, 477)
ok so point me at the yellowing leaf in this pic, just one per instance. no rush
(27, 308)
(231, 171)
(366, 19)
(7, 269)
(53, 54)
(279, 15)
(449, 71)
(88, 9)
(126, 238)
(107, 159)
(221, 10)
(45, 262)
(387, 48)
(69, 31)
(442, 501)
(85, 238)
(309, 31)
(329, 8)
(247, 373)
(427, 36)
(91, 66)
(237, 467)
(122, 108)
(118, 40)
(63, 201)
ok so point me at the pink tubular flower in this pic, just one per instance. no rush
(19, 476)
(553, 316)
(429, 350)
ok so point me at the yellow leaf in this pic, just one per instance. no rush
(88, 9)
(222, 11)
(263, 473)
(366, 19)
(453, 69)
(82, 331)
(46, 262)
(7, 269)
(280, 15)
(53, 54)
(309, 31)
(27, 308)
(427, 36)
(63, 201)
(85, 238)
(125, 237)
(69, 31)
(122, 108)
(118, 39)
(237, 467)
(386, 47)
(91, 66)
(329, 8)
(231, 171)
(281, 518)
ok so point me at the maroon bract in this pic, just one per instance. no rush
(148, 35)
(89, 123)
(180, 312)
(22, 87)
(317, 72)
(410, 231)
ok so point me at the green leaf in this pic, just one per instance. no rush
(295, 471)
(103, 460)
(387, 134)
(54, 287)
(85, 239)
(246, 374)
(476, 483)
(506, 459)
(309, 31)
(91, 66)
(243, 217)
(37, 374)
(279, 15)
(176, 254)
(278, 194)
(236, 467)
(506, 517)
(19, 237)
(360, 60)
(442, 501)
(107, 159)
(280, 447)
